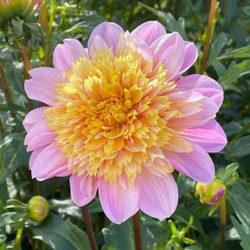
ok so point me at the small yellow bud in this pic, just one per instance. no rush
(38, 208)
(211, 193)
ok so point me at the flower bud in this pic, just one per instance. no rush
(16, 8)
(38, 208)
(211, 193)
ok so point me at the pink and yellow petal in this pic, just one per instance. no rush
(109, 32)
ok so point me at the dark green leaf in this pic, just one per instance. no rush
(237, 198)
(60, 234)
(240, 148)
(243, 232)
(13, 155)
(243, 52)
(184, 184)
(234, 72)
(35, 29)
(119, 236)
(18, 27)
(217, 46)
(168, 20)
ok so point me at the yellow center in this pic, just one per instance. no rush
(112, 113)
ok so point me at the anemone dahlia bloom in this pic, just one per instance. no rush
(16, 8)
(119, 120)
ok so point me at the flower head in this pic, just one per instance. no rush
(211, 193)
(16, 8)
(119, 120)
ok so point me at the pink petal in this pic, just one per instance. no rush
(39, 128)
(34, 155)
(68, 53)
(47, 161)
(198, 119)
(197, 164)
(149, 31)
(59, 172)
(210, 137)
(118, 203)
(82, 188)
(202, 84)
(42, 86)
(170, 50)
(158, 195)
(109, 32)
(33, 117)
(41, 140)
(191, 54)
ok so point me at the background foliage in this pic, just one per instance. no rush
(190, 227)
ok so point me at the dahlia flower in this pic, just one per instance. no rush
(16, 8)
(120, 119)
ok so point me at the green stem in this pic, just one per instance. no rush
(208, 35)
(223, 219)
(137, 231)
(89, 227)
(48, 32)
(18, 238)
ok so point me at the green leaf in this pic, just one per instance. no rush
(229, 175)
(216, 47)
(65, 207)
(60, 234)
(240, 148)
(5, 218)
(184, 184)
(183, 215)
(18, 27)
(243, 52)
(169, 21)
(244, 234)
(35, 29)
(237, 198)
(234, 72)
(13, 155)
(119, 236)
(122, 236)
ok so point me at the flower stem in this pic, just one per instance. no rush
(89, 228)
(137, 231)
(26, 60)
(208, 35)
(1, 128)
(223, 222)
(4, 84)
(18, 238)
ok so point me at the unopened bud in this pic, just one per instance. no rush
(211, 193)
(38, 208)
